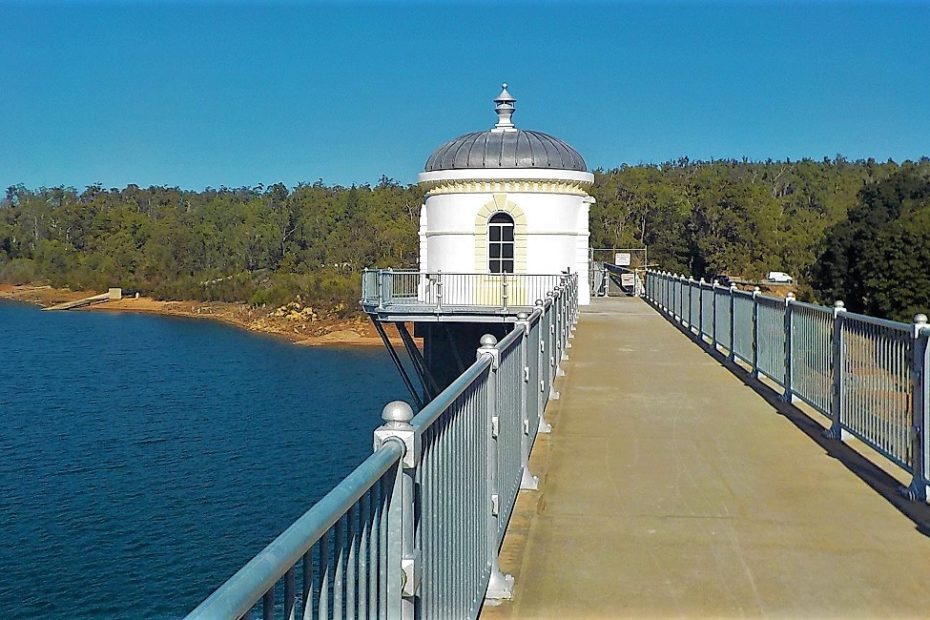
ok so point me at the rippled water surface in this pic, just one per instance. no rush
(144, 459)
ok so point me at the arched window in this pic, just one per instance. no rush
(500, 243)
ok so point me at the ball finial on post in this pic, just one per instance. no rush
(396, 413)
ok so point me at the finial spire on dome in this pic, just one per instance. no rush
(505, 107)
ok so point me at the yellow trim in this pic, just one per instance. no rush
(573, 188)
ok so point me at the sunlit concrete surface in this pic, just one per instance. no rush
(672, 488)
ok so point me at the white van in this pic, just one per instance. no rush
(780, 276)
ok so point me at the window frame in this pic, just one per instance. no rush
(502, 226)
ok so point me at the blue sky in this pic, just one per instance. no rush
(207, 93)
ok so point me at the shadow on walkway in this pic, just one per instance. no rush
(866, 469)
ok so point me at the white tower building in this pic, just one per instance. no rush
(506, 201)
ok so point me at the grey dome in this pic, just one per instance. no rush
(505, 146)
(515, 148)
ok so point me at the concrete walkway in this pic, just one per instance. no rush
(671, 488)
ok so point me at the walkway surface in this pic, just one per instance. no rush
(672, 488)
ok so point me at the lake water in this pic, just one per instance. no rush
(144, 459)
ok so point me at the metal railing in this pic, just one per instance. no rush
(869, 376)
(388, 288)
(415, 530)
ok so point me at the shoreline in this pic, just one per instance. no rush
(297, 329)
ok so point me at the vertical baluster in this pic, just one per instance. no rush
(351, 584)
(290, 593)
(385, 546)
(374, 550)
(364, 531)
(268, 605)
(323, 599)
(307, 585)
(338, 568)
(428, 523)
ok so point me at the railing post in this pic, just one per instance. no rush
(505, 286)
(381, 275)
(563, 321)
(836, 402)
(541, 367)
(402, 554)
(713, 315)
(553, 347)
(665, 291)
(920, 409)
(573, 304)
(755, 332)
(558, 303)
(500, 586)
(681, 299)
(690, 294)
(732, 353)
(528, 481)
(701, 310)
(439, 289)
(661, 283)
(789, 313)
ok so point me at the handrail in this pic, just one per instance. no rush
(869, 376)
(509, 339)
(250, 583)
(871, 320)
(436, 407)
(439, 291)
(415, 530)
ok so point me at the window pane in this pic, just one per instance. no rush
(508, 233)
(501, 218)
(507, 266)
(495, 232)
(494, 266)
(508, 250)
(496, 250)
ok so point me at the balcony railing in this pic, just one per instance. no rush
(440, 291)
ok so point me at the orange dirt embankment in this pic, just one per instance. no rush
(297, 323)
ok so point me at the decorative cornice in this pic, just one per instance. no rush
(512, 186)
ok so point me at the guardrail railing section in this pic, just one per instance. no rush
(744, 324)
(455, 530)
(877, 387)
(770, 338)
(334, 560)
(869, 376)
(387, 288)
(812, 355)
(415, 530)
(707, 311)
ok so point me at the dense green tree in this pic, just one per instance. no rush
(876, 260)
(268, 244)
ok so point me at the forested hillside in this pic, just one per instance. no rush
(267, 244)
(258, 245)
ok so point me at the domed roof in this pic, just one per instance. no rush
(505, 146)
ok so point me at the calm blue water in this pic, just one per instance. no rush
(144, 459)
